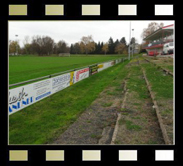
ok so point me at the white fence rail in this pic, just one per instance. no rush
(26, 95)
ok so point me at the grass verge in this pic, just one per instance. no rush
(161, 84)
(44, 121)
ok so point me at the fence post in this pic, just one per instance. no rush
(90, 71)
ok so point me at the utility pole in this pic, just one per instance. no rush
(133, 44)
(129, 43)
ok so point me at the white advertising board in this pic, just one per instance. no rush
(81, 74)
(107, 64)
(118, 61)
(24, 96)
(103, 66)
(60, 82)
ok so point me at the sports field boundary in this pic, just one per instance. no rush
(28, 94)
(59, 73)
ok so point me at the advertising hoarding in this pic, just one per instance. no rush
(72, 78)
(60, 82)
(24, 96)
(113, 63)
(94, 69)
(81, 74)
(100, 67)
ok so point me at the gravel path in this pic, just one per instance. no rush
(96, 123)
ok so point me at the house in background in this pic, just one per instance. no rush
(135, 48)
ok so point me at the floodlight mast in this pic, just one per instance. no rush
(133, 43)
(129, 43)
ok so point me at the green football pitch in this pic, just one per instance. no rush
(23, 68)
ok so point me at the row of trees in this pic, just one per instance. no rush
(45, 45)
(88, 46)
(41, 45)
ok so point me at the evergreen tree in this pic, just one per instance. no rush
(116, 44)
(111, 46)
(76, 48)
(72, 49)
(132, 40)
(101, 46)
(94, 51)
(98, 48)
(123, 41)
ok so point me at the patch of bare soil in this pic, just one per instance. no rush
(133, 62)
(143, 61)
(96, 124)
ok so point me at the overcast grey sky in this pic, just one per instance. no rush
(72, 31)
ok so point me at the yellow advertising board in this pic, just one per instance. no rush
(71, 78)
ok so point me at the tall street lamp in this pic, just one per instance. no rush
(129, 42)
(132, 44)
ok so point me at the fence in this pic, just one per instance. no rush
(25, 95)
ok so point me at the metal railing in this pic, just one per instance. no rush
(158, 43)
(60, 73)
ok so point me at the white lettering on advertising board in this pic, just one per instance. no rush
(60, 82)
(81, 74)
(24, 96)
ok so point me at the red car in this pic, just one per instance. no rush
(152, 53)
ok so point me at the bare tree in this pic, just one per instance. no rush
(62, 47)
(42, 45)
(26, 40)
(153, 26)
(27, 45)
(88, 43)
(47, 47)
(82, 47)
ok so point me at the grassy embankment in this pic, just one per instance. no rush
(162, 86)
